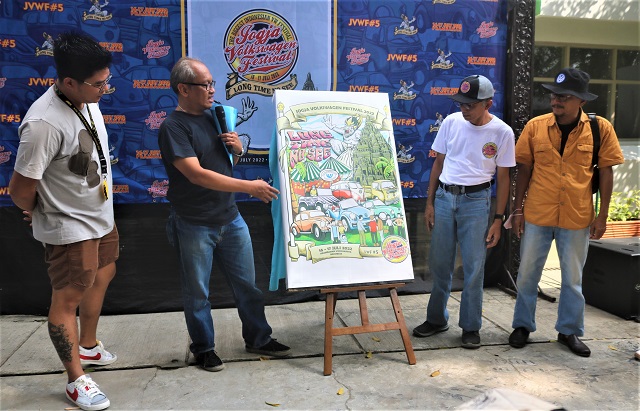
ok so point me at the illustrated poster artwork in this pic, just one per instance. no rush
(343, 217)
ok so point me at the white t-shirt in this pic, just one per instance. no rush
(68, 209)
(473, 152)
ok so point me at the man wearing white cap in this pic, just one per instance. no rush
(554, 154)
(470, 145)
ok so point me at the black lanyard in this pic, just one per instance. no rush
(94, 136)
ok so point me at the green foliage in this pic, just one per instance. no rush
(624, 206)
(386, 167)
(302, 169)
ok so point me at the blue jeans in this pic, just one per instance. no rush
(195, 245)
(463, 219)
(572, 246)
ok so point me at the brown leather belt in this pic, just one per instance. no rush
(455, 189)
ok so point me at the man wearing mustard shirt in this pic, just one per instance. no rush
(554, 156)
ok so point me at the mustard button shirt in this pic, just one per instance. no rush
(559, 192)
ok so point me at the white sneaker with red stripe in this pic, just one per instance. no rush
(85, 393)
(96, 355)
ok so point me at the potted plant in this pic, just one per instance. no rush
(624, 215)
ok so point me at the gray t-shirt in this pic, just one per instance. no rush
(56, 149)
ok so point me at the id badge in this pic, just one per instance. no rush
(105, 189)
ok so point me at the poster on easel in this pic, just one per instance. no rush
(343, 219)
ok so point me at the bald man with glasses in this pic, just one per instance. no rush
(204, 220)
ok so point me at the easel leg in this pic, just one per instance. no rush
(329, 311)
(411, 357)
(364, 314)
(366, 327)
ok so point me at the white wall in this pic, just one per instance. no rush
(620, 10)
(576, 31)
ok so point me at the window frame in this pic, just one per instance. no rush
(613, 83)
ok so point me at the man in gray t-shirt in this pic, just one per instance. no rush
(62, 181)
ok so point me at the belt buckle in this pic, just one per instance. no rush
(455, 190)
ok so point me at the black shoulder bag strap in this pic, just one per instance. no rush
(595, 132)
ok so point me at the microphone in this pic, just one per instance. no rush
(221, 119)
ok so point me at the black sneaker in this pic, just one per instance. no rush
(273, 349)
(427, 329)
(471, 339)
(518, 337)
(209, 361)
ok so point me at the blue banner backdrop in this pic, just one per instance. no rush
(145, 41)
(416, 51)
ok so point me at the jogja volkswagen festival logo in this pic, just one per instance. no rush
(261, 49)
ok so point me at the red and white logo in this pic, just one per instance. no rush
(156, 49)
(155, 119)
(487, 29)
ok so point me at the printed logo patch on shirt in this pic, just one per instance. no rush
(81, 163)
(490, 150)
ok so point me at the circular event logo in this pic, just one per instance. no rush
(261, 46)
(395, 249)
(489, 150)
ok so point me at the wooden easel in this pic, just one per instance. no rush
(366, 327)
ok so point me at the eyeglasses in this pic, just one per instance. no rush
(467, 106)
(101, 85)
(207, 86)
(560, 97)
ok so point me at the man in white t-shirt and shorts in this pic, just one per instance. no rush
(471, 145)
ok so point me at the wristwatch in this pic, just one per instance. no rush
(241, 153)
(498, 216)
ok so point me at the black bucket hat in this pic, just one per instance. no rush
(572, 81)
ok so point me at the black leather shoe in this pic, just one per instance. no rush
(574, 344)
(470, 339)
(518, 337)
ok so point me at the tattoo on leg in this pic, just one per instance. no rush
(60, 340)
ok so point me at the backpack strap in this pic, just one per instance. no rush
(595, 131)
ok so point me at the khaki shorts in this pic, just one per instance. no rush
(77, 263)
